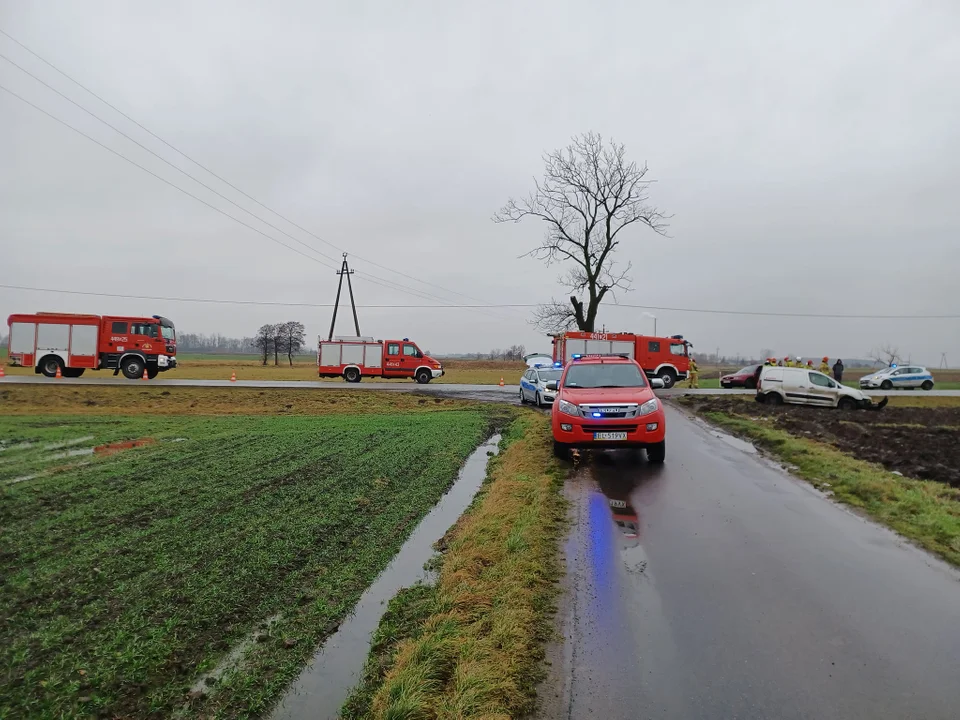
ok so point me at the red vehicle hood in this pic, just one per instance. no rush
(579, 396)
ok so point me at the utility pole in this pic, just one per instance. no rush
(344, 270)
(943, 361)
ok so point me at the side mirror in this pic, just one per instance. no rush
(553, 385)
(656, 383)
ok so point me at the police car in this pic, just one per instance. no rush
(533, 384)
(892, 377)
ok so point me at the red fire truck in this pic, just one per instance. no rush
(664, 357)
(354, 358)
(71, 343)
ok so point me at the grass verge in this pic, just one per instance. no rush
(214, 367)
(126, 576)
(924, 511)
(157, 400)
(471, 645)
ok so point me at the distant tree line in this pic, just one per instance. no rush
(215, 343)
(514, 352)
(278, 339)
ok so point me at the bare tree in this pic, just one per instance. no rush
(264, 341)
(589, 194)
(279, 341)
(294, 337)
(885, 355)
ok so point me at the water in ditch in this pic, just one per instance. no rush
(325, 683)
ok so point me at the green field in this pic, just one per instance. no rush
(127, 576)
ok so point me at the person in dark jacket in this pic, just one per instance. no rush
(838, 370)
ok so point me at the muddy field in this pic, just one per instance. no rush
(918, 442)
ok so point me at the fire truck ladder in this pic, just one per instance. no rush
(344, 270)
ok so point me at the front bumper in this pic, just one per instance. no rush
(436, 372)
(870, 384)
(548, 396)
(581, 432)
(166, 362)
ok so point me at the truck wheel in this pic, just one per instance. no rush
(50, 364)
(561, 450)
(424, 376)
(847, 404)
(351, 375)
(657, 453)
(132, 368)
(886, 385)
(669, 377)
(72, 372)
(927, 385)
(152, 372)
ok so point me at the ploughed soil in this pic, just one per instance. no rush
(915, 441)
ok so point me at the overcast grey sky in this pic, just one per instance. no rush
(809, 152)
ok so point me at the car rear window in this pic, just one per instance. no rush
(601, 375)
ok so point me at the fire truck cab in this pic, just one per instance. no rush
(70, 343)
(667, 358)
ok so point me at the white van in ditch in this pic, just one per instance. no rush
(778, 385)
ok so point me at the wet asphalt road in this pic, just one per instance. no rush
(492, 393)
(717, 586)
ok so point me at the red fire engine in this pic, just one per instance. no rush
(664, 357)
(354, 358)
(69, 343)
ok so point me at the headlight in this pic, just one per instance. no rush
(438, 366)
(568, 408)
(648, 407)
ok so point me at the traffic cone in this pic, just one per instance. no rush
(501, 382)
(233, 377)
(145, 375)
(59, 374)
(2, 374)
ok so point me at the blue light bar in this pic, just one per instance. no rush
(597, 415)
(558, 364)
(576, 357)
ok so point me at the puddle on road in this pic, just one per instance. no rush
(735, 442)
(324, 684)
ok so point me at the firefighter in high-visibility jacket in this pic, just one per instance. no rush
(825, 366)
(693, 375)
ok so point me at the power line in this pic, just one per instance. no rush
(701, 311)
(390, 285)
(211, 172)
(394, 285)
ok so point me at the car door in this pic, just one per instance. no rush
(529, 385)
(822, 391)
(914, 377)
(393, 360)
(411, 359)
(899, 377)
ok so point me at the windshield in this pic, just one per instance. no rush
(548, 375)
(604, 375)
(167, 332)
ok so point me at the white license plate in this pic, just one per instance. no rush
(609, 436)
